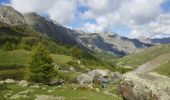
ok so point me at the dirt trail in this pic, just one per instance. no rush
(150, 65)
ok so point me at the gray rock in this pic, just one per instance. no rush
(23, 83)
(115, 76)
(17, 96)
(25, 92)
(97, 73)
(9, 81)
(10, 16)
(2, 82)
(71, 69)
(147, 86)
(84, 79)
(35, 86)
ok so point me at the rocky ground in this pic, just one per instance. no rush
(89, 87)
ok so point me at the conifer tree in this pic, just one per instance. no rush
(41, 67)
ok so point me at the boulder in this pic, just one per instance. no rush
(23, 83)
(9, 81)
(147, 86)
(35, 86)
(17, 96)
(97, 73)
(84, 79)
(115, 76)
(71, 69)
(2, 82)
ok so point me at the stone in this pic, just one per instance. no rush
(17, 96)
(97, 90)
(71, 69)
(25, 92)
(23, 83)
(49, 97)
(49, 91)
(2, 82)
(145, 86)
(84, 79)
(8, 94)
(115, 76)
(9, 81)
(35, 86)
(97, 73)
(79, 62)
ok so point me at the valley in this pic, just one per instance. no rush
(43, 60)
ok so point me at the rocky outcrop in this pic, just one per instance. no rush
(98, 75)
(84, 79)
(148, 86)
(10, 16)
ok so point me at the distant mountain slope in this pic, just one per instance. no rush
(45, 26)
(151, 59)
(160, 40)
(94, 41)
(123, 43)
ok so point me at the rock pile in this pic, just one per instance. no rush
(98, 74)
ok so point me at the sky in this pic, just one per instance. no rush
(131, 18)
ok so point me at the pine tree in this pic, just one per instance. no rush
(41, 68)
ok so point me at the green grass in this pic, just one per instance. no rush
(61, 59)
(67, 91)
(134, 60)
(164, 69)
(22, 57)
(19, 57)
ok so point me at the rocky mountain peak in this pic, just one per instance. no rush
(11, 16)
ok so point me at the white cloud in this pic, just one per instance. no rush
(144, 18)
(62, 11)
(39, 6)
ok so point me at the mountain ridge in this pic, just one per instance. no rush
(102, 42)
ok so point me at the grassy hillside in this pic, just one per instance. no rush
(164, 69)
(134, 60)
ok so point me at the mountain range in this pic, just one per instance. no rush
(100, 42)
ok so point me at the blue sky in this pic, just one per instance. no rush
(131, 18)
